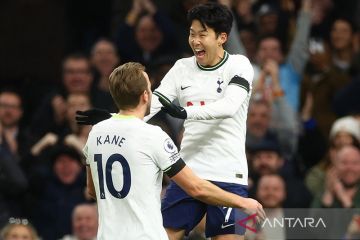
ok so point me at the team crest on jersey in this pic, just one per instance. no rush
(169, 146)
(219, 82)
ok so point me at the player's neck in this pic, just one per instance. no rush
(136, 112)
(220, 54)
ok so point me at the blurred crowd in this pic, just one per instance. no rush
(303, 135)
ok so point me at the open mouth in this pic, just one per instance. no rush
(199, 53)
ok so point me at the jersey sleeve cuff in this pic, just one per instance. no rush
(175, 168)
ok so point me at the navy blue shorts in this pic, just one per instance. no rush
(181, 211)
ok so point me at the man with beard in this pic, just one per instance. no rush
(342, 191)
(13, 181)
(266, 158)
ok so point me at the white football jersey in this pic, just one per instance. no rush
(213, 149)
(127, 158)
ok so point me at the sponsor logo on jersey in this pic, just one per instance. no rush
(183, 88)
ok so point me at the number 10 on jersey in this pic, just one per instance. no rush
(108, 175)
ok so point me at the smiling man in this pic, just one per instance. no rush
(211, 85)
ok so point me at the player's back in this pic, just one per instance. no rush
(127, 180)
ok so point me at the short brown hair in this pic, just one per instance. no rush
(127, 83)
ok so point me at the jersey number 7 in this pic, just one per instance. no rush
(108, 175)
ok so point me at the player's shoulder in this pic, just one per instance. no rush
(185, 62)
(154, 131)
(238, 58)
(103, 124)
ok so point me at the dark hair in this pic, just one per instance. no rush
(75, 56)
(127, 82)
(213, 15)
(62, 149)
(103, 39)
(264, 37)
(13, 91)
(347, 20)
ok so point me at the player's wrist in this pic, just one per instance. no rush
(189, 112)
(241, 203)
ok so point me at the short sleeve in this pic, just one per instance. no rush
(86, 153)
(165, 152)
(241, 69)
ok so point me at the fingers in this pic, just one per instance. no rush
(82, 120)
(261, 213)
(78, 112)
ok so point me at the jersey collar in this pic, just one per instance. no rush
(120, 116)
(219, 64)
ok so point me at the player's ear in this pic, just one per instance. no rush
(222, 38)
(146, 96)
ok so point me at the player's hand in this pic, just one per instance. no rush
(91, 116)
(251, 206)
(172, 109)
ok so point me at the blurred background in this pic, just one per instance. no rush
(303, 133)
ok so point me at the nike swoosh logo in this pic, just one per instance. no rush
(183, 88)
(228, 225)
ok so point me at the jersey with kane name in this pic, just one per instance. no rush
(127, 158)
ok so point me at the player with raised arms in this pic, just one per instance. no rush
(215, 86)
(126, 158)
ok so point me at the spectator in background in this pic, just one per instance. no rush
(265, 158)
(18, 229)
(271, 120)
(342, 189)
(84, 222)
(270, 48)
(73, 135)
(267, 20)
(50, 116)
(327, 72)
(243, 14)
(104, 59)
(344, 132)
(13, 181)
(322, 13)
(14, 136)
(58, 193)
(347, 99)
(248, 39)
(271, 193)
(146, 34)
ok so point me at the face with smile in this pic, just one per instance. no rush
(206, 44)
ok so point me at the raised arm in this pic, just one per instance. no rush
(238, 90)
(298, 54)
(167, 89)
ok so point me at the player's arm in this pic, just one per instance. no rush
(238, 89)
(209, 193)
(167, 90)
(167, 158)
(90, 183)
